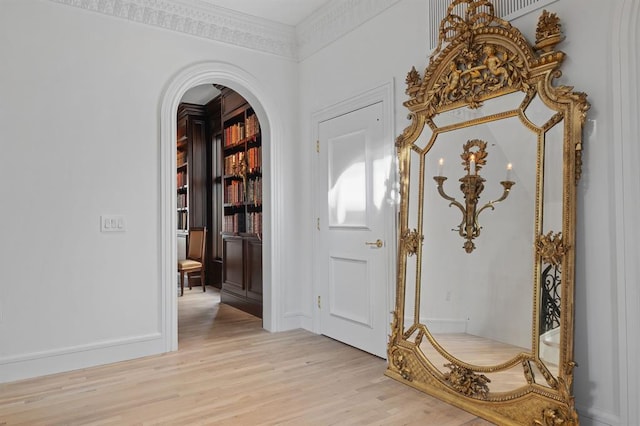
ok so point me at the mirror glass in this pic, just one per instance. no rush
(479, 305)
(549, 326)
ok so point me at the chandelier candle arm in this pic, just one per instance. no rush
(507, 184)
(440, 181)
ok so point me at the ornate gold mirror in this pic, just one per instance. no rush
(488, 172)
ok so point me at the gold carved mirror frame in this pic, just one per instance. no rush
(487, 99)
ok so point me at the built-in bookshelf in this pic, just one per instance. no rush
(191, 167)
(182, 198)
(241, 163)
(191, 175)
(242, 158)
(182, 183)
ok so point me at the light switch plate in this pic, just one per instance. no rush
(112, 223)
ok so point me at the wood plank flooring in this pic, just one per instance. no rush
(482, 352)
(229, 371)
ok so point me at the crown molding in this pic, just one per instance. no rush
(200, 19)
(334, 20)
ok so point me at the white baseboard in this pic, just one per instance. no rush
(441, 325)
(294, 320)
(25, 366)
(594, 417)
(306, 322)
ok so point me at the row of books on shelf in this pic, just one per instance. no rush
(239, 222)
(237, 193)
(183, 221)
(252, 160)
(182, 179)
(234, 193)
(232, 164)
(232, 222)
(181, 158)
(252, 125)
(182, 201)
(254, 191)
(254, 223)
(239, 131)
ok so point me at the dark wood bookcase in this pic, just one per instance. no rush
(191, 165)
(182, 176)
(241, 185)
(214, 201)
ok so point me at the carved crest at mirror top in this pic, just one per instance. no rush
(488, 170)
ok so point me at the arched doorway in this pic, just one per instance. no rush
(248, 87)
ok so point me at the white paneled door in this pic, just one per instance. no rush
(353, 208)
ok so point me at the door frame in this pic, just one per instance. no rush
(380, 93)
(249, 87)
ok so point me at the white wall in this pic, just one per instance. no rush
(586, 25)
(80, 134)
(388, 45)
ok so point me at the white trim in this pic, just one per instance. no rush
(380, 93)
(297, 319)
(200, 19)
(249, 87)
(334, 20)
(590, 416)
(626, 92)
(442, 325)
(79, 348)
(35, 364)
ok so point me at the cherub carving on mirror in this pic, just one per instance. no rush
(484, 315)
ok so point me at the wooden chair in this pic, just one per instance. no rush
(195, 257)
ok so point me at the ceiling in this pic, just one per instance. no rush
(200, 95)
(288, 12)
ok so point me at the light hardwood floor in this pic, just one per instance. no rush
(229, 371)
(482, 352)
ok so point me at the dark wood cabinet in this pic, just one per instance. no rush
(253, 269)
(242, 273)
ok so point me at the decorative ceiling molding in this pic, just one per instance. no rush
(333, 20)
(200, 19)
